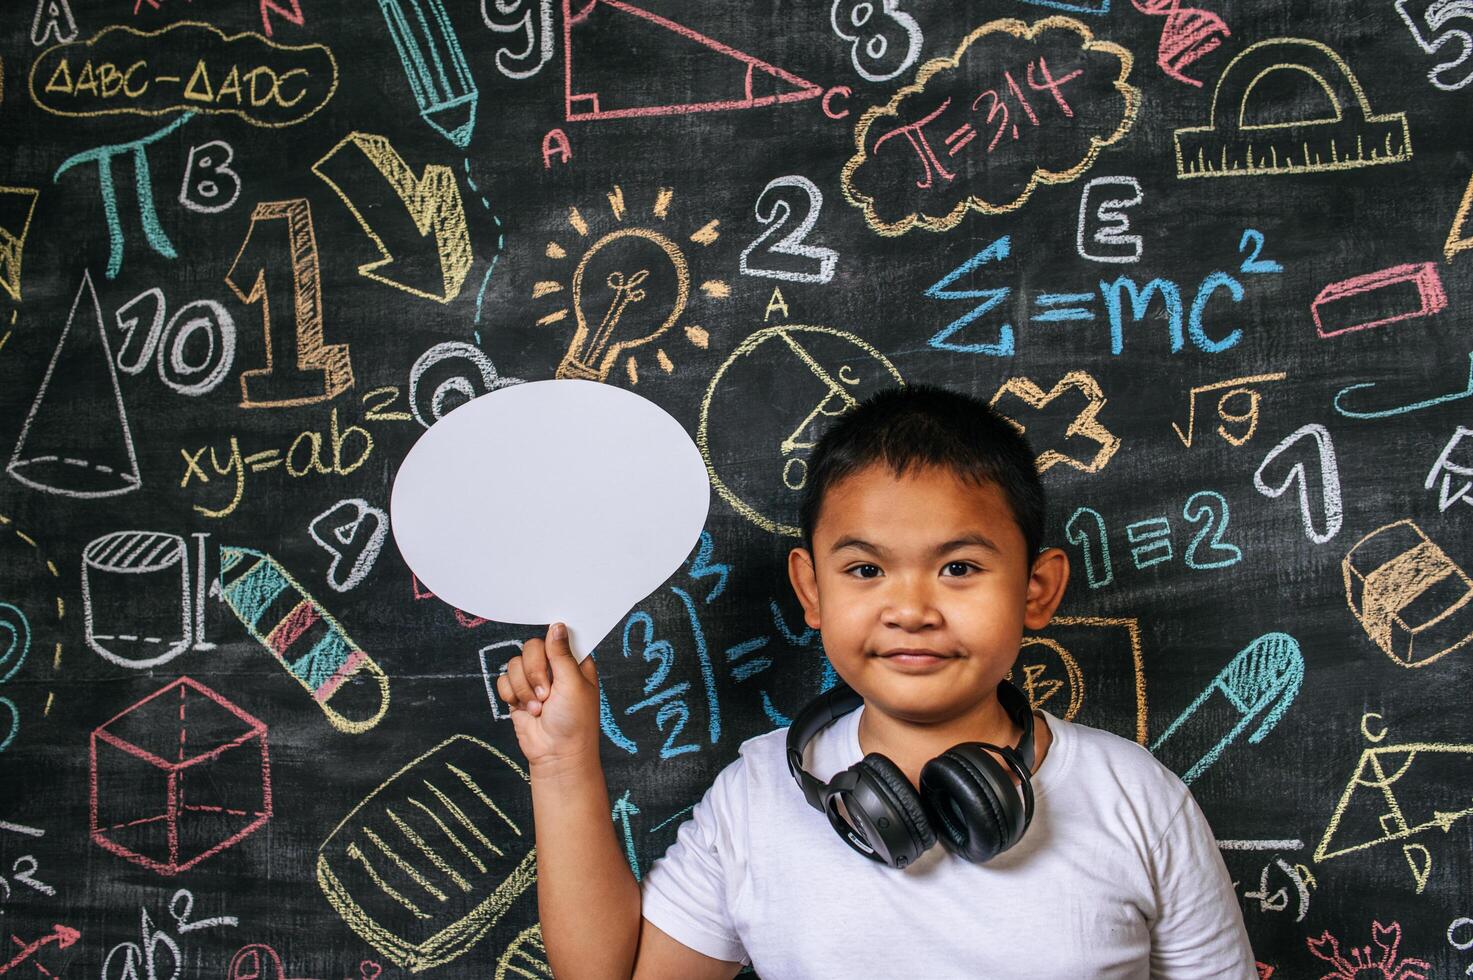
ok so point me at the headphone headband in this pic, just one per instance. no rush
(834, 703)
(841, 699)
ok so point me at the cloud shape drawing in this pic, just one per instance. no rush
(1017, 105)
(187, 66)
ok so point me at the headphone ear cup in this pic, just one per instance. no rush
(977, 808)
(891, 785)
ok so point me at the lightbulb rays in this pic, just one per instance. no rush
(630, 286)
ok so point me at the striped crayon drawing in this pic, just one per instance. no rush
(303, 636)
(435, 66)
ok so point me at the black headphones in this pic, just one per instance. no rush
(965, 794)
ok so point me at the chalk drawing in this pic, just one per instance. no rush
(1451, 464)
(1434, 25)
(1361, 302)
(1084, 425)
(884, 40)
(17, 205)
(434, 830)
(1322, 520)
(78, 443)
(713, 76)
(1188, 35)
(525, 958)
(1363, 961)
(138, 604)
(1410, 597)
(350, 530)
(534, 24)
(793, 243)
(303, 637)
(204, 193)
(216, 778)
(1259, 685)
(1349, 135)
(1109, 220)
(53, 20)
(430, 53)
(301, 367)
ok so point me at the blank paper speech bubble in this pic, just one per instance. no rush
(550, 501)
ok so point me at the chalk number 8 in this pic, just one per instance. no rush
(873, 52)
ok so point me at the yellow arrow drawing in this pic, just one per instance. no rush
(12, 242)
(433, 201)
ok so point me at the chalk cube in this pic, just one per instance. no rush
(178, 777)
(1411, 598)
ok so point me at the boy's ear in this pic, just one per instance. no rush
(1046, 584)
(805, 584)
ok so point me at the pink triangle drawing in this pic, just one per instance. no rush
(726, 78)
(76, 441)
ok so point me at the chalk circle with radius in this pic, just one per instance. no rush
(843, 372)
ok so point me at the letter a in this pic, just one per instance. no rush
(53, 19)
(776, 303)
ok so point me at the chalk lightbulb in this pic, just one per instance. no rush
(624, 301)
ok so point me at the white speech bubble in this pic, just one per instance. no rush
(550, 501)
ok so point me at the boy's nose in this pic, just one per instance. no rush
(910, 606)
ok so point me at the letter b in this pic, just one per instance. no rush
(209, 183)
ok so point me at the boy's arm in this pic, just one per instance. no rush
(1198, 932)
(587, 898)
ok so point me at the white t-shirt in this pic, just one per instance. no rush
(1117, 876)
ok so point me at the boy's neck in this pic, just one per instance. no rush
(910, 745)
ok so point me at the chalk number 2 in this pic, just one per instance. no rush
(773, 209)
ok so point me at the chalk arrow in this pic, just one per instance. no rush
(624, 808)
(432, 201)
(1322, 456)
(62, 935)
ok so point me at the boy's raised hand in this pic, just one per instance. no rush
(553, 700)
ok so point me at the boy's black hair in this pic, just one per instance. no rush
(921, 426)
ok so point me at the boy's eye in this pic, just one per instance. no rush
(959, 568)
(865, 571)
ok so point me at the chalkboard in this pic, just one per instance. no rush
(1212, 259)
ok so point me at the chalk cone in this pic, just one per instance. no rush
(76, 441)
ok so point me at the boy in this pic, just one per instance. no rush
(920, 566)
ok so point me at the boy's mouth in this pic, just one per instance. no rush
(915, 658)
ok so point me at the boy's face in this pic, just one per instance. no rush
(921, 587)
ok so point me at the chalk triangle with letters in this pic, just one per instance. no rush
(623, 61)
